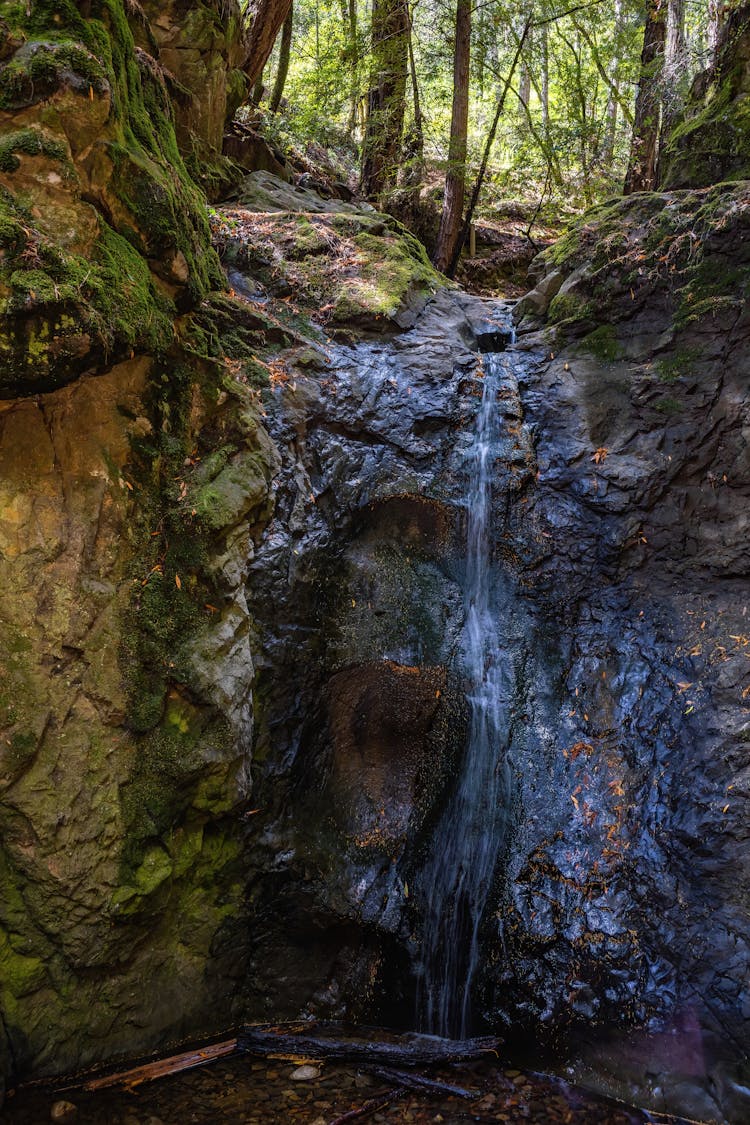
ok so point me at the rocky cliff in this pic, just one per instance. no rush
(616, 931)
(135, 472)
(233, 528)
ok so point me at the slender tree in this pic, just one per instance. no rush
(386, 98)
(414, 169)
(285, 47)
(641, 173)
(489, 141)
(455, 179)
(614, 99)
(351, 57)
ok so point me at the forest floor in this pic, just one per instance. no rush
(244, 1091)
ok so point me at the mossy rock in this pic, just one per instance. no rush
(80, 289)
(345, 267)
(684, 254)
(62, 313)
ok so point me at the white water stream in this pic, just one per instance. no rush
(466, 844)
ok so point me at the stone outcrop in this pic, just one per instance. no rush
(235, 522)
(134, 473)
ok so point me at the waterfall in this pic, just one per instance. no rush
(458, 875)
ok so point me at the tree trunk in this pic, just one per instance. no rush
(414, 162)
(524, 90)
(544, 93)
(283, 68)
(386, 98)
(267, 17)
(714, 24)
(489, 141)
(641, 174)
(258, 88)
(613, 98)
(455, 179)
(675, 67)
(349, 17)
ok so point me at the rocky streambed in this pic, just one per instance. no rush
(276, 1093)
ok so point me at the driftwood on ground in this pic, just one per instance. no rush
(160, 1068)
(411, 1081)
(372, 1105)
(408, 1051)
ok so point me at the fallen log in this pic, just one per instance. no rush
(411, 1050)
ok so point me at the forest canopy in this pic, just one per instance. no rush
(590, 87)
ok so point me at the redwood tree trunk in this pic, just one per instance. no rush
(641, 174)
(455, 179)
(386, 99)
(267, 17)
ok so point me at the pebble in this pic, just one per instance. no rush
(63, 1111)
(305, 1073)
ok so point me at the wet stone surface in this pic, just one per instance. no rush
(243, 1091)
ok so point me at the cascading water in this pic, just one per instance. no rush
(457, 878)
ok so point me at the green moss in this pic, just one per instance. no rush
(170, 765)
(30, 142)
(712, 142)
(40, 68)
(603, 344)
(54, 297)
(683, 252)
(670, 368)
(19, 973)
(566, 307)
(668, 406)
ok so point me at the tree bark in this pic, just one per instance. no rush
(349, 19)
(267, 17)
(641, 174)
(455, 179)
(282, 70)
(414, 164)
(386, 98)
(675, 67)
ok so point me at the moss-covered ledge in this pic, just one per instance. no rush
(676, 258)
(103, 234)
(345, 265)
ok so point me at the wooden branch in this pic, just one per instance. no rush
(188, 1060)
(371, 1106)
(422, 1084)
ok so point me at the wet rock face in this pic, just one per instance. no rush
(616, 932)
(360, 711)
